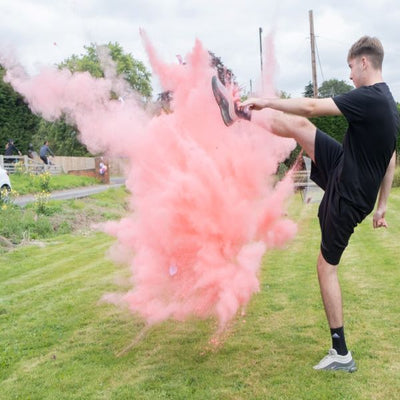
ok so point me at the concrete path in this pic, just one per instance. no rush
(75, 193)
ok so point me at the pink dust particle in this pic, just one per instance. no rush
(204, 206)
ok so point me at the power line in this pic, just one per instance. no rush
(319, 60)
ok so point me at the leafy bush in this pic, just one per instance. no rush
(17, 224)
(43, 181)
(41, 201)
(54, 217)
(7, 198)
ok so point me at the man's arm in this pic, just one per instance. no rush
(305, 107)
(379, 216)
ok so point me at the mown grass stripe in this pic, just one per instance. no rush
(67, 348)
(33, 261)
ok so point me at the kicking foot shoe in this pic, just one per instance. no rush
(334, 362)
(230, 111)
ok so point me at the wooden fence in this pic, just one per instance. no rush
(60, 164)
(14, 164)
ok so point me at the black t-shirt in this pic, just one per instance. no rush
(369, 142)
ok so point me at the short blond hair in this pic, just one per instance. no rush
(370, 47)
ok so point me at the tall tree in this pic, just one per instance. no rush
(132, 70)
(16, 119)
(63, 137)
(308, 90)
(333, 87)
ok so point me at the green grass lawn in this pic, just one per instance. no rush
(58, 341)
(29, 183)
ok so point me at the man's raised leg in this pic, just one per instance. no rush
(291, 126)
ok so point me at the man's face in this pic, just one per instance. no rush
(357, 68)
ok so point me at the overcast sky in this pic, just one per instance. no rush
(43, 32)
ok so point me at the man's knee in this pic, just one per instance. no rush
(288, 125)
(301, 127)
(324, 267)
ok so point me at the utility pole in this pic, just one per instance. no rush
(261, 55)
(313, 64)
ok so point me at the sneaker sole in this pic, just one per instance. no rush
(352, 368)
(340, 367)
(222, 102)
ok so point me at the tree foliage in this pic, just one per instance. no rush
(333, 87)
(63, 138)
(16, 119)
(308, 90)
(284, 95)
(132, 70)
(17, 122)
(329, 88)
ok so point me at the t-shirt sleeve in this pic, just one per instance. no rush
(352, 104)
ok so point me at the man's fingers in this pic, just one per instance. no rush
(381, 223)
(246, 103)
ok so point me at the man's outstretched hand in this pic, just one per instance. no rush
(254, 103)
(378, 220)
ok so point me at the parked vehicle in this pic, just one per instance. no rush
(4, 180)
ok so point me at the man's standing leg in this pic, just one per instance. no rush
(339, 358)
(332, 298)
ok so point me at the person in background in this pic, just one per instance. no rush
(31, 152)
(44, 151)
(11, 150)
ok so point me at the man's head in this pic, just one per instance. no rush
(365, 60)
(370, 47)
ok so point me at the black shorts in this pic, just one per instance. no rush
(337, 217)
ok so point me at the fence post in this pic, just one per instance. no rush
(2, 160)
(26, 163)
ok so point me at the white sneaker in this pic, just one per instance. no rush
(333, 361)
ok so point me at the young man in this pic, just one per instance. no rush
(352, 174)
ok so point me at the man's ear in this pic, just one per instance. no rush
(364, 62)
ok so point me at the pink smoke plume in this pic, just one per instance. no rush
(204, 204)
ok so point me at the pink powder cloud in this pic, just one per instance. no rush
(204, 204)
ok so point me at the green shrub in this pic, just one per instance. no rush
(40, 228)
(45, 219)
(41, 202)
(17, 224)
(44, 181)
